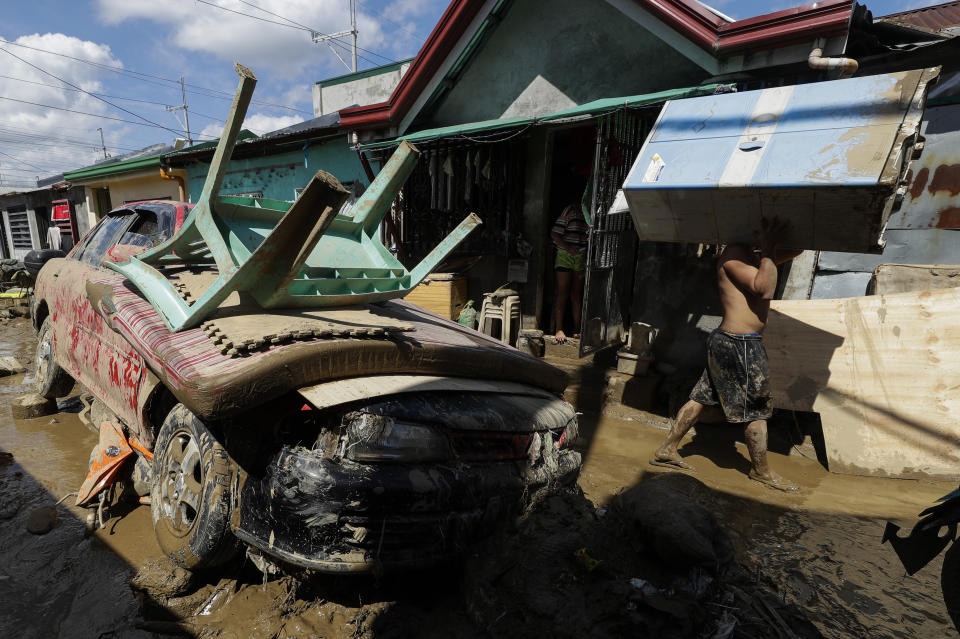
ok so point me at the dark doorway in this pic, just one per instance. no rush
(571, 164)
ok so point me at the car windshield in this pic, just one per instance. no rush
(146, 231)
(105, 236)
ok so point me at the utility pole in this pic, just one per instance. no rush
(103, 146)
(318, 37)
(186, 112)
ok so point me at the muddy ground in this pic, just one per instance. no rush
(578, 564)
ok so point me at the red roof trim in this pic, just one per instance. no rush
(701, 26)
(689, 18)
(820, 19)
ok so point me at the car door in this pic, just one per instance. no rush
(84, 344)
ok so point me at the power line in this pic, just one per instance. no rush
(53, 155)
(94, 115)
(320, 37)
(115, 97)
(52, 75)
(102, 95)
(295, 26)
(60, 139)
(143, 77)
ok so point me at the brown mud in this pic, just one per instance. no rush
(589, 564)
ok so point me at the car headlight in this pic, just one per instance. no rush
(376, 438)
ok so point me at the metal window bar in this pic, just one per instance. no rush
(612, 239)
(456, 177)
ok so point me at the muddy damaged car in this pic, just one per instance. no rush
(253, 373)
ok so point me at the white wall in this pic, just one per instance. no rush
(360, 92)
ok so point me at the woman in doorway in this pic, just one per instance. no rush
(569, 234)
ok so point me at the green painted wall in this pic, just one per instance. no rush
(277, 175)
(579, 51)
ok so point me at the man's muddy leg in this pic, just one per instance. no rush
(755, 435)
(687, 416)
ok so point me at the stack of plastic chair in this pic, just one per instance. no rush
(300, 255)
(503, 306)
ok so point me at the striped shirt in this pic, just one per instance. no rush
(572, 228)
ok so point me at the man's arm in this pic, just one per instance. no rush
(760, 282)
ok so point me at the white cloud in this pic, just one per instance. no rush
(31, 136)
(259, 44)
(256, 123)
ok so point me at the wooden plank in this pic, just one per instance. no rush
(901, 278)
(881, 370)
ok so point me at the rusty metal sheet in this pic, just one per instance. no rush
(932, 199)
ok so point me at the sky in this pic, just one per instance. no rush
(69, 69)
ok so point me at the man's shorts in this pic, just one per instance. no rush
(567, 262)
(737, 377)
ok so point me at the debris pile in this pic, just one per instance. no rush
(654, 562)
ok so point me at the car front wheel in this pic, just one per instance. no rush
(52, 381)
(191, 493)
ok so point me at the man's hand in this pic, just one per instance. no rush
(769, 236)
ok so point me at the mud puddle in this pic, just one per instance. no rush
(573, 566)
(819, 550)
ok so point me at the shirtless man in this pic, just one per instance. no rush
(738, 371)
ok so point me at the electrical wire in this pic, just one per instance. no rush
(94, 115)
(102, 95)
(115, 97)
(61, 139)
(7, 155)
(145, 77)
(296, 25)
(115, 106)
(55, 157)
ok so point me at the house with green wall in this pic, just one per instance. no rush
(277, 165)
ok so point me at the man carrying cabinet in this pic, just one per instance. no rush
(737, 376)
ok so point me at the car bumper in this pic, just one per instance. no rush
(334, 517)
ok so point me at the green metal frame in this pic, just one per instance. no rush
(273, 249)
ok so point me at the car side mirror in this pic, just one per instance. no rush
(123, 253)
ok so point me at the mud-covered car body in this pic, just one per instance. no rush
(344, 449)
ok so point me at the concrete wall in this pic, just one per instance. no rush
(582, 51)
(144, 185)
(362, 91)
(277, 176)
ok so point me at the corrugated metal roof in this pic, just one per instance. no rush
(935, 18)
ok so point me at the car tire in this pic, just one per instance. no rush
(191, 493)
(52, 381)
